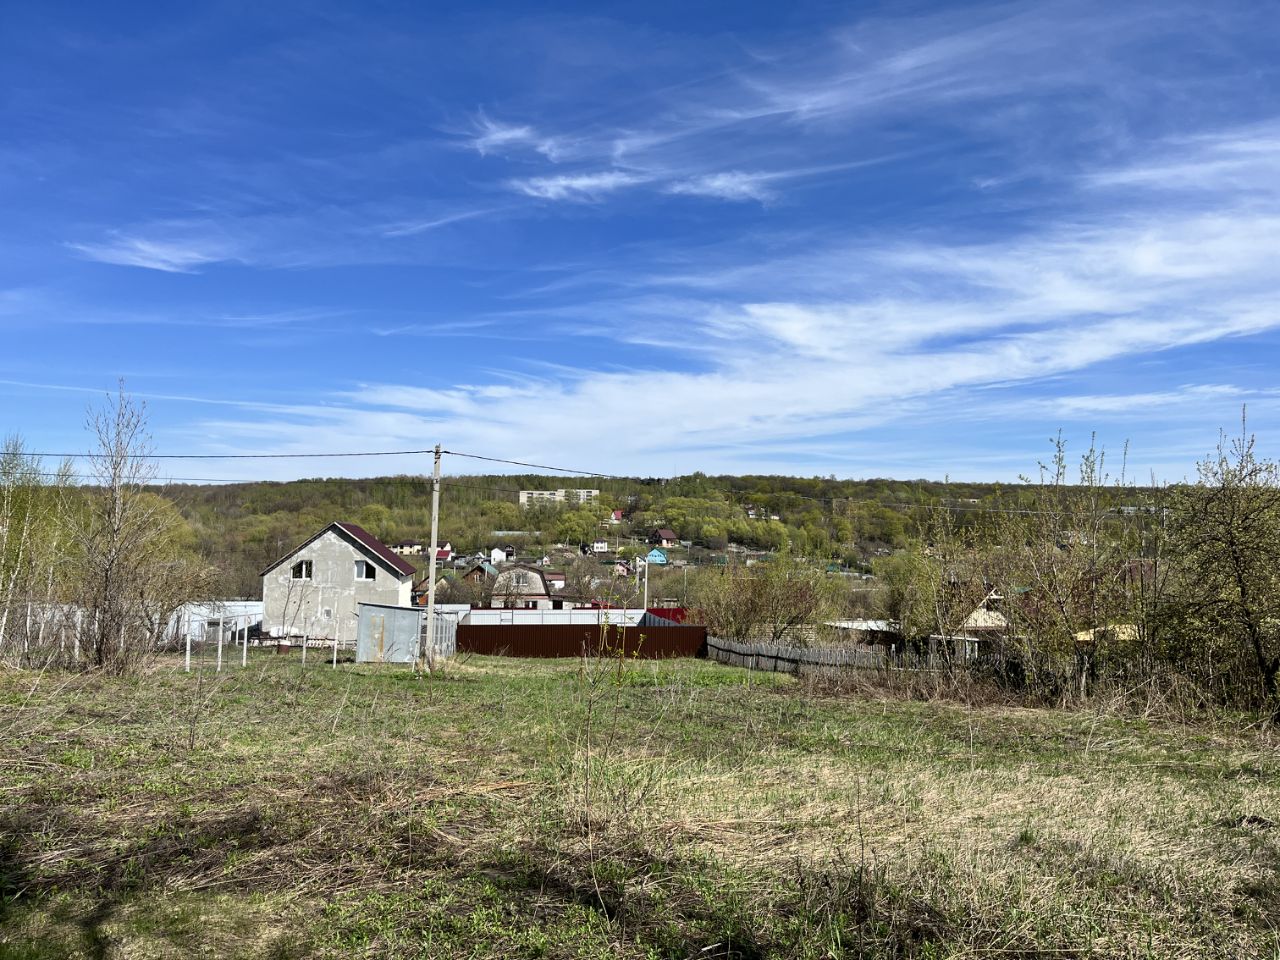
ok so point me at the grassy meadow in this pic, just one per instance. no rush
(517, 808)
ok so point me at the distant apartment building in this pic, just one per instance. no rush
(528, 497)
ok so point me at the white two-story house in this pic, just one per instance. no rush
(313, 590)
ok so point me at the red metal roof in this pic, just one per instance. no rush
(361, 536)
(366, 538)
(674, 614)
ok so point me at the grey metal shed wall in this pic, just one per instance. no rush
(387, 634)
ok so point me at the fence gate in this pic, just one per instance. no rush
(445, 643)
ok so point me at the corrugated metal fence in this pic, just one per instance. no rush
(446, 634)
(567, 640)
(773, 658)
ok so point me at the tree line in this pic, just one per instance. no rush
(1053, 592)
(1081, 578)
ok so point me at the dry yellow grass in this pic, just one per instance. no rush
(585, 810)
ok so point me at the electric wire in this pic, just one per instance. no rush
(537, 466)
(786, 495)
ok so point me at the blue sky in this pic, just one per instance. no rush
(901, 239)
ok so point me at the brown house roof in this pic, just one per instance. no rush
(665, 533)
(365, 539)
(381, 549)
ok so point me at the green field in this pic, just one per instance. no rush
(514, 808)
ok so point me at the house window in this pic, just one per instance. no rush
(328, 613)
(365, 570)
(301, 570)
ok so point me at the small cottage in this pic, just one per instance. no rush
(521, 588)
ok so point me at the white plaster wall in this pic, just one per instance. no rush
(296, 607)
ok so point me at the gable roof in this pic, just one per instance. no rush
(487, 568)
(510, 574)
(665, 533)
(363, 540)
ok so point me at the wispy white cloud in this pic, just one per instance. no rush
(167, 255)
(731, 185)
(846, 96)
(581, 187)
(758, 185)
(410, 228)
(681, 148)
(1237, 160)
(788, 331)
(492, 136)
(777, 356)
(1092, 406)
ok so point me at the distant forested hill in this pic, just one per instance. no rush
(243, 527)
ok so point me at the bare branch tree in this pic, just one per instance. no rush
(136, 566)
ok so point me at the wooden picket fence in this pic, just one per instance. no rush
(779, 659)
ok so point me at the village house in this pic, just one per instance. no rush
(664, 537)
(417, 548)
(407, 548)
(312, 591)
(521, 588)
(656, 557)
(481, 572)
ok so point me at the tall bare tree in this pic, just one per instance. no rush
(135, 561)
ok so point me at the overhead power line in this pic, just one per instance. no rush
(538, 466)
(831, 501)
(240, 456)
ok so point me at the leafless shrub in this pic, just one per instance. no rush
(134, 555)
(90, 575)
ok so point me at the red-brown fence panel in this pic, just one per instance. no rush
(573, 640)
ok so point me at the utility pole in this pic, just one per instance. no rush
(429, 638)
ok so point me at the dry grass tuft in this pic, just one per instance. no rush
(507, 808)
